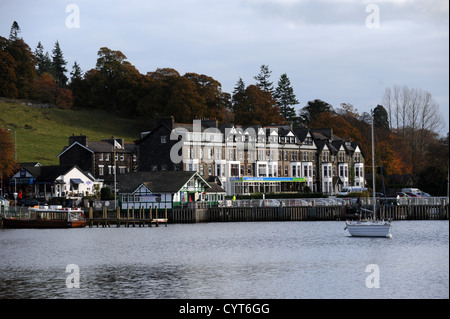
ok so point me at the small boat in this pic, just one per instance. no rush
(370, 227)
(47, 217)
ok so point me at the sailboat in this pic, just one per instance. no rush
(370, 227)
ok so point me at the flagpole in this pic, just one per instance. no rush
(114, 172)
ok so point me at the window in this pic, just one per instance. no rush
(122, 157)
(100, 157)
(163, 139)
(234, 169)
(262, 170)
(101, 170)
(122, 169)
(107, 157)
(164, 167)
(154, 168)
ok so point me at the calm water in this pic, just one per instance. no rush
(226, 260)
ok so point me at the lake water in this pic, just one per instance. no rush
(269, 260)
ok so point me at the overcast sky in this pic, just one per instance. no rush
(339, 51)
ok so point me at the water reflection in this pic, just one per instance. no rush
(226, 260)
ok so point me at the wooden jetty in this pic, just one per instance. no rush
(133, 218)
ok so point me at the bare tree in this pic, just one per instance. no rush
(416, 115)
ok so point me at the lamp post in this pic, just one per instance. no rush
(15, 159)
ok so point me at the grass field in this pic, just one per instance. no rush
(41, 133)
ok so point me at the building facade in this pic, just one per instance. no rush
(102, 159)
(254, 159)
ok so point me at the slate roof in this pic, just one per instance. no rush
(102, 147)
(158, 181)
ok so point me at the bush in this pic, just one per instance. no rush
(106, 193)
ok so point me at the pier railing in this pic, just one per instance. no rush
(241, 213)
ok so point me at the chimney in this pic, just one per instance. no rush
(81, 139)
(167, 121)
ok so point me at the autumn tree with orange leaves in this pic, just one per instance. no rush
(7, 162)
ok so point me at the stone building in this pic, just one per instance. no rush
(250, 159)
(100, 158)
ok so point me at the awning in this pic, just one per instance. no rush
(76, 181)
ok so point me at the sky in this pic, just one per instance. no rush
(339, 51)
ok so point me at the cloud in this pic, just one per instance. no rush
(324, 46)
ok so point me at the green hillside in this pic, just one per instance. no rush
(42, 133)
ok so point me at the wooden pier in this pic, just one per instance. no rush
(115, 218)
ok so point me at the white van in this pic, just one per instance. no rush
(411, 190)
(351, 189)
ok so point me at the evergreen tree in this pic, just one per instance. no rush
(14, 32)
(44, 63)
(76, 73)
(59, 66)
(263, 79)
(238, 93)
(284, 94)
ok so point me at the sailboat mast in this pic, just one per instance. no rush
(373, 172)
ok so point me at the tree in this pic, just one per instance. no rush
(338, 123)
(76, 73)
(348, 111)
(8, 67)
(263, 79)
(43, 62)
(238, 96)
(380, 117)
(58, 68)
(117, 82)
(14, 32)
(217, 102)
(23, 64)
(7, 162)
(284, 94)
(416, 116)
(45, 90)
(185, 102)
(257, 107)
(309, 112)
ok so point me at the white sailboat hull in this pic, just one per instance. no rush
(369, 228)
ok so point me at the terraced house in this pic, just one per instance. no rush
(254, 159)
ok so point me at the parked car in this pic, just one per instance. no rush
(423, 194)
(413, 194)
(271, 203)
(28, 202)
(4, 202)
(402, 194)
